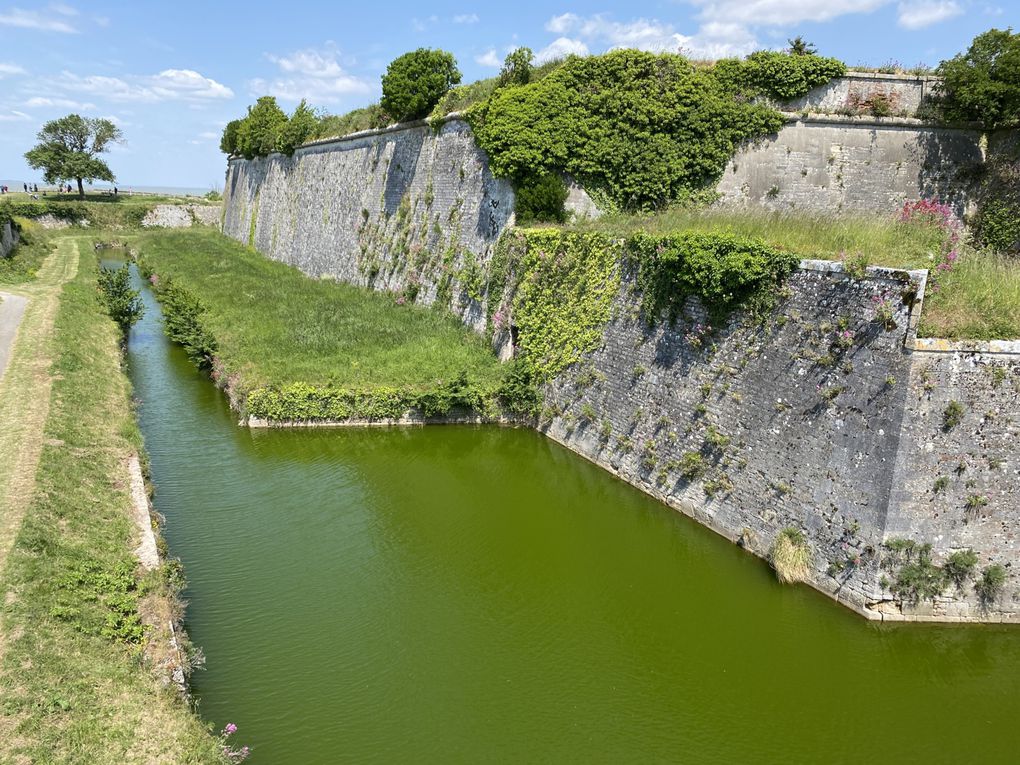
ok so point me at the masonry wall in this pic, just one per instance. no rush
(8, 238)
(794, 428)
(408, 209)
(832, 164)
(903, 94)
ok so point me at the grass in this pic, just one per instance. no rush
(124, 198)
(24, 262)
(790, 556)
(276, 326)
(979, 299)
(73, 686)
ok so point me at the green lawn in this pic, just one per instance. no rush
(73, 684)
(276, 326)
(978, 299)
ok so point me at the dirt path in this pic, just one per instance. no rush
(25, 386)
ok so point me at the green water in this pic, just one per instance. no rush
(459, 594)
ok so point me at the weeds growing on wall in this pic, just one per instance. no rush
(790, 556)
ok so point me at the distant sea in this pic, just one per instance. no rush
(195, 191)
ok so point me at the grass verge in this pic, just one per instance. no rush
(74, 687)
(274, 327)
(24, 262)
(977, 299)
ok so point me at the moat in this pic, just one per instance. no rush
(463, 594)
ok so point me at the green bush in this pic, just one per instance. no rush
(998, 226)
(723, 270)
(989, 586)
(638, 130)
(983, 84)
(415, 81)
(959, 567)
(541, 198)
(122, 303)
(517, 67)
(259, 132)
(182, 314)
(297, 130)
(228, 141)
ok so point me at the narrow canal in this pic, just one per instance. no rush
(460, 594)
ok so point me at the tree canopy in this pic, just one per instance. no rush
(415, 82)
(69, 148)
(983, 84)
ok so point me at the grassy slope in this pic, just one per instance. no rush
(276, 326)
(69, 694)
(979, 299)
(24, 262)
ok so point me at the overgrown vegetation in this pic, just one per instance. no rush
(298, 348)
(23, 262)
(415, 81)
(72, 686)
(790, 556)
(122, 302)
(266, 128)
(983, 84)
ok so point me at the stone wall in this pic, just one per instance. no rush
(821, 418)
(8, 238)
(406, 209)
(903, 93)
(837, 164)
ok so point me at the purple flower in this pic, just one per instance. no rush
(230, 729)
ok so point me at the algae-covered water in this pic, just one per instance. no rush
(459, 594)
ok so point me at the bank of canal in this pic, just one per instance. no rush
(468, 594)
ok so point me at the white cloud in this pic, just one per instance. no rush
(714, 39)
(64, 103)
(924, 13)
(560, 47)
(63, 10)
(490, 58)
(6, 70)
(14, 116)
(168, 85)
(313, 74)
(209, 135)
(465, 18)
(781, 12)
(17, 17)
(187, 84)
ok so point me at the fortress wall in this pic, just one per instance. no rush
(407, 209)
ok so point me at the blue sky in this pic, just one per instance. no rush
(172, 74)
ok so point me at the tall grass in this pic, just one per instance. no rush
(276, 326)
(790, 556)
(978, 299)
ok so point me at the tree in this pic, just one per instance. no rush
(300, 125)
(983, 84)
(414, 83)
(801, 47)
(259, 132)
(69, 147)
(516, 67)
(228, 142)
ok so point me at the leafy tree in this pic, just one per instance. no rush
(299, 127)
(516, 67)
(123, 303)
(259, 132)
(228, 142)
(983, 84)
(415, 82)
(69, 148)
(801, 47)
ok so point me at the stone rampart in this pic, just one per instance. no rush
(823, 418)
(8, 238)
(833, 164)
(901, 94)
(409, 209)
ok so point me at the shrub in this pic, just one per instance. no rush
(960, 566)
(692, 465)
(781, 76)
(638, 130)
(122, 303)
(541, 198)
(415, 81)
(259, 132)
(516, 67)
(790, 556)
(228, 141)
(919, 579)
(952, 415)
(983, 84)
(990, 584)
(297, 130)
